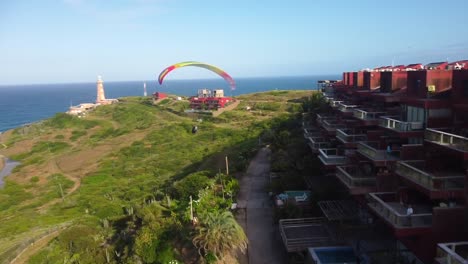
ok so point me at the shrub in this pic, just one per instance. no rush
(192, 184)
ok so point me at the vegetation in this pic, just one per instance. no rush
(124, 178)
(220, 235)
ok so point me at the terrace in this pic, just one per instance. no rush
(398, 125)
(440, 137)
(347, 136)
(330, 157)
(372, 150)
(417, 172)
(323, 117)
(356, 180)
(345, 108)
(452, 253)
(335, 103)
(300, 234)
(316, 143)
(370, 115)
(388, 207)
(332, 125)
(311, 132)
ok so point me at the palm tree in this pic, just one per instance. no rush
(220, 235)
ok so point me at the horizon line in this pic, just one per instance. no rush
(177, 79)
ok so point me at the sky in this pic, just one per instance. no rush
(54, 41)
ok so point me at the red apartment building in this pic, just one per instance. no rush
(397, 137)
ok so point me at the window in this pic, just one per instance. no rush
(415, 114)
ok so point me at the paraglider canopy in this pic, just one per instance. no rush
(212, 68)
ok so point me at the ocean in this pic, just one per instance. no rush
(23, 104)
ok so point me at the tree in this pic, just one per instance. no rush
(219, 234)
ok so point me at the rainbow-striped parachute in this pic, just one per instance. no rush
(212, 68)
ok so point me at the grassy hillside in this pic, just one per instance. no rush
(115, 183)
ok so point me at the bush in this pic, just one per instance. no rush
(192, 184)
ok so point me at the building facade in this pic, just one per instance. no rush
(397, 138)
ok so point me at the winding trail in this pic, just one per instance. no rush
(255, 214)
(8, 166)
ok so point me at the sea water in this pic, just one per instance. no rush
(22, 104)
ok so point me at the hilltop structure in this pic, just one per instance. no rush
(101, 97)
(82, 109)
(207, 99)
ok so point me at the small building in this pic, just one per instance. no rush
(159, 95)
(209, 100)
(209, 103)
(204, 93)
(218, 93)
(81, 109)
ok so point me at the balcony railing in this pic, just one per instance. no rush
(330, 156)
(386, 206)
(335, 103)
(311, 132)
(414, 171)
(322, 117)
(352, 177)
(346, 108)
(447, 253)
(345, 136)
(367, 115)
(446, 139)
(389, 122)
(371, 150)
(316, 143)
(332, 125)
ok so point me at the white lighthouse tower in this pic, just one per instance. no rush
(144, 90)
(101, 97)
(100, 90)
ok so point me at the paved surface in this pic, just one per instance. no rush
(255, 214)
(8, 167)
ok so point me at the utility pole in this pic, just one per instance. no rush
(61, 190)
(191, 209)
(227, 166)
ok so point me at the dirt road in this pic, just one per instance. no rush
(256, 214)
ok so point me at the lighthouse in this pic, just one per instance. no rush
(100, 90)
(101, 98)
(144, 90)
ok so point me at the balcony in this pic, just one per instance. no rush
(372, 151)
(347, 109)
(451, 253)
(445, 181)
(386, 205)
(356, 180)
(348, 137)
(330, 157)
(311, 132)
(367, 115)
(323, 117)
(316, 143)
(400, 126)
(446, 139)
(334, 103)
(332, 125)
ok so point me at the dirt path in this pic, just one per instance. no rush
(31, 250)
(256, 214)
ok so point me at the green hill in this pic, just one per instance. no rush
(114, 186)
